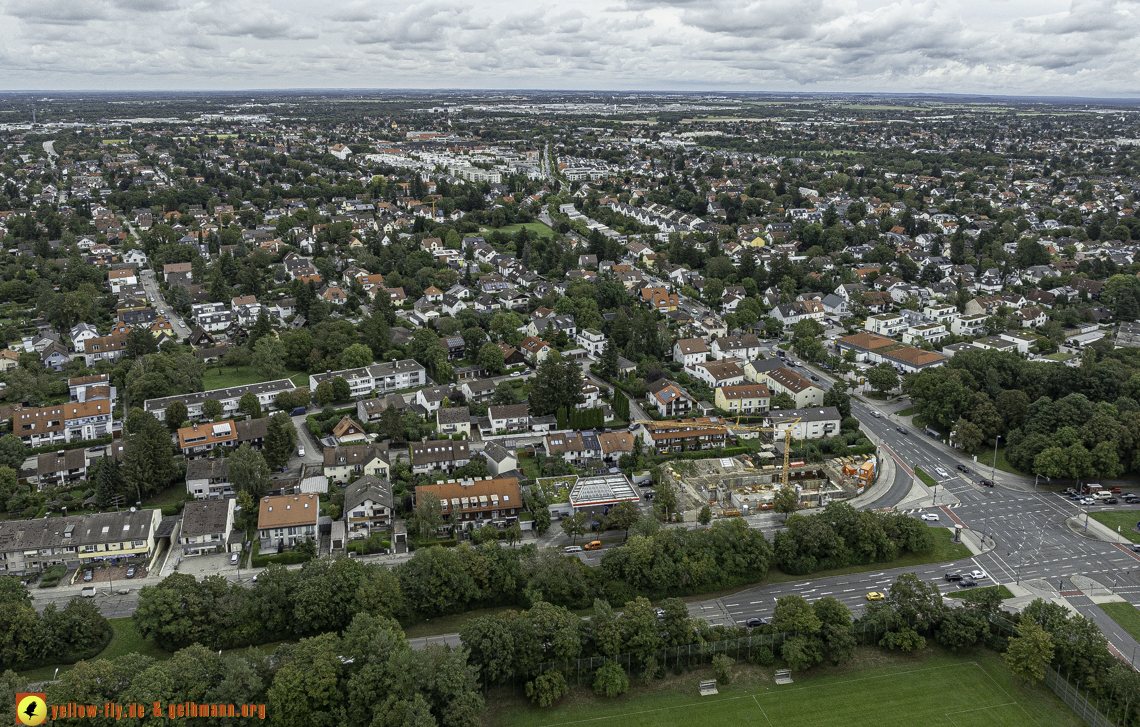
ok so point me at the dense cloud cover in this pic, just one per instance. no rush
(1019, 47)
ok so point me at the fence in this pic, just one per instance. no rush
(1063, 688)
(1080, 704)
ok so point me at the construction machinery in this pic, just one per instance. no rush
(787, 430)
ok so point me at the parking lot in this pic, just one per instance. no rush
(106, 574)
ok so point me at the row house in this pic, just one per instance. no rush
(579, 448)
(266, 392)
(746, 347)
(687, 434)
(383, 377)
(77, 541)
(745, 399)
(71, 422)
(207, 526)
(442, 455)
(343, 463)
(105, 348)
(368, 506)
(471, 504)
(284, 521)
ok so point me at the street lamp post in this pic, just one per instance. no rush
(993, 470)
(1034, 479)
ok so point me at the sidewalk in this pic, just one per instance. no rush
(1095, 530)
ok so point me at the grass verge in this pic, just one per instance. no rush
(1126, 615)
(1124, 519)
(242, 376)
(927, 479)
(536, 227)
(986, 458)
(877, 687)
(972, 594)
(909, 411)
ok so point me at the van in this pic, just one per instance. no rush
(594, 545)
(1103, 495)
(88, 592)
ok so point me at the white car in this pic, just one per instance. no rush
(516, 373)
(573, 549)
(941, 472)
(1087, 501)
(933, 516)
(978, 575)
(300, 451)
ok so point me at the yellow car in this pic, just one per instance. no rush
(875, 596)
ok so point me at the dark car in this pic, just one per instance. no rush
(1131, 499)
(1074, 497)
(814, 377)
(967, 583)
(953, 577)
(963, 468)
(131, 572)
(754, 622)
(985, 483)
(88, 575)
(1110, 501)
(900, 430)
(1136, 547)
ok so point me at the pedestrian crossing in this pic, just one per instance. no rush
(915, 510)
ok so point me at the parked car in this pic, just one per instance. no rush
(967, 583)
(298, 411)
(1110, 501)
(88, 575)
(594, 545)
(515, 373)
(573, 549)
(660, 613)
(131, 572)
(88, 592)
(301, 451)
(953, 577)
(962, 468)
(234, 558)
(754, 622)
(932, 516)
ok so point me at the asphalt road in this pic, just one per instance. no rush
(150, 285)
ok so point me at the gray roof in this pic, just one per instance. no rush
(497, 453)
(205, 517)
(207, 469)
(234, 392)
(812, 414)
(77, 531)
(367, 487)
(453, 415)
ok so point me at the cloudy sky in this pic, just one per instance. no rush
(1021, 47)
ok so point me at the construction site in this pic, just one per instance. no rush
(747, 484)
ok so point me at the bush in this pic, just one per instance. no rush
(52, 576)
(762, 656)
(547, 688)
(722, 667)
(611, 680)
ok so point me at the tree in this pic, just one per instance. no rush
(608, 364)
(324, 393)
(17, 622)
(427, 515)
(704, 517)
(786, 501)
(611, 680)
(269, 358)
(574, 526)
(783, 400)
(340, 389)
(248, 404)
(840, 399)
(882, 377)
(148, 460)
(556, 384)
(212, 409)
(140, 342)
(175, 415)
(356, 356)
(490, 358)
(622, 516)
(967, 435)
(1030, 652)
(13, 452)
(280, 438)
(248, 471)
(108, 479)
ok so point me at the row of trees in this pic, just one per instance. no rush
(840, 535)
(78, 631)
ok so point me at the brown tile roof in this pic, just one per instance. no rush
(288, 511)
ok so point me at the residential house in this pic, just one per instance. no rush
(198, 439)
(885, 324)
(283, 521)
(368, 506)
(81, 333)
(207, 526)
(970, 324)
(341, 464)
(669, 398)
(511, 418)
(208, 478)
(78, 541)
(9, 360)
(471, 504)
(579, 448)
(431, 398)
(439, 456)
(54, 356)
(535, 349)
(785, 381)
(744, 399)
(500, 460)
(592, 340)
(62, 467)
(677, 435)
(266, 392)
(615, 444)
(746, 347)
(453, 420)
(813, 423)
(348, 431)
(382, 377)
(718, 373)
(690, 351)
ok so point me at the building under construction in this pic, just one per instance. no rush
(748, 484)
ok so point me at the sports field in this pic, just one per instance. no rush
(933, 691)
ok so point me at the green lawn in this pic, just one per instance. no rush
(1126, 615)
(1125, 519)
(986, 458)
(536, 227)
(241, 376)
(971, 594)
(909, 411)
(877, 689)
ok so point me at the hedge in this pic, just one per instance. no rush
(48, 448)
(53, 575)
(289, 557)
